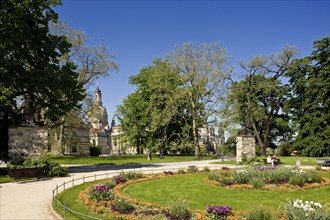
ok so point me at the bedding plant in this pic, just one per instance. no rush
(108, 198)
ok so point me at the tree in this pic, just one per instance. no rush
(92, 63)
(309, 104)
(150, 116)
(202, 70)
(32, 78)
(258, 99)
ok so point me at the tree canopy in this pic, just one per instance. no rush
(309, 103)
(32, 78)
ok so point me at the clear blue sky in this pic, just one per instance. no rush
(137, 32)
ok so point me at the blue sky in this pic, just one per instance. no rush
(137, 32)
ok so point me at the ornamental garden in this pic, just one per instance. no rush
(248, 192)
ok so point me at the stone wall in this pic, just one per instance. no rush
(28, 141)
(245, 145)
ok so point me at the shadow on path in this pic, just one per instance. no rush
(107, 167)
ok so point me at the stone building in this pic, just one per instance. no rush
(99, 127)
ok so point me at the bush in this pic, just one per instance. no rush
(260, 213)
(101, 193)
(192, 169)
(181, 171)
(218, 212)
(178, 210)
(50, 168)
(301, 210)
(129, 175)
(94, 151)
(122, 206)
(257, 183)
(206, 169)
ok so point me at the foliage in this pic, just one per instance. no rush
(94, 151)
(309, 103)
(260, 213)
(130, 175)
(50, 168)
(301, 210)
(192, 169)
(202, 69)
(32, 76)
(256, 101)
(122, 206)
(178, 209)
(101, 193)
(218, 212)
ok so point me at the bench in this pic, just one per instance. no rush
(323, 162)
(278, 161)
(26, 173)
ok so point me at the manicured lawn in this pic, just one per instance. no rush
(5, 179)
(289, 160)
(199, 194)
(70, 198)
(127, 159)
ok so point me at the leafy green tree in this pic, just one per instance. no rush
(32, 78)
(152, 114)
(309, 103)
(257, 101)
(202, 70)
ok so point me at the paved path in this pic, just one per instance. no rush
(31, 200)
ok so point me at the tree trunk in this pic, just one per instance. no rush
(195, 134)
(4, 137)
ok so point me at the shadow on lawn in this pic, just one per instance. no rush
(108, 167)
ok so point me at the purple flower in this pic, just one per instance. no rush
(101, 188)
(218, 211)
(264, 168)
(168, 172)
(119, 179)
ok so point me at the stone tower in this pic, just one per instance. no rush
(97, 115)
(99, 126)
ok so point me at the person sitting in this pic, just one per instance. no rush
(273, 160)
(269, 159)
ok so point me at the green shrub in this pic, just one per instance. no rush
(192, 169)
(121, 205)
(101, 193)
(260, 213)
(257, 183)
(297, 180)
(129, 175)
(50, 168)
(94, 151)
(206, 169)
(179, 208)
(181, 171)
(302, 210)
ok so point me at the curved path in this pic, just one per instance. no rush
(31, 199)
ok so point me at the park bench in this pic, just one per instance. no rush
(323, 162)
(278, 161)
(26, 173)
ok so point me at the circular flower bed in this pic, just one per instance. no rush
(107, 197)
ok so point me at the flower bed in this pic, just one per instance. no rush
(120, 206)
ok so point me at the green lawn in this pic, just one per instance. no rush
(199, 194)
(289, 160)
(126, 159)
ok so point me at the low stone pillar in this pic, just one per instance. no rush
(246, 145)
